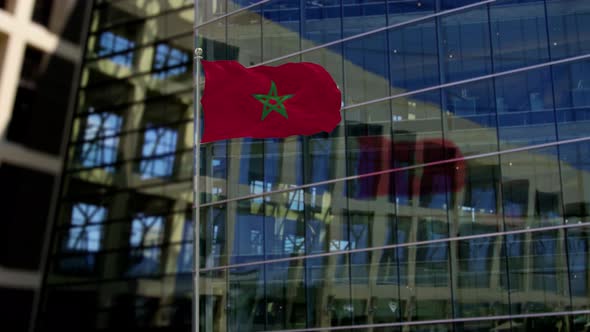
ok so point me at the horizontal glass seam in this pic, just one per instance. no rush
(470, 80)
(364, 34)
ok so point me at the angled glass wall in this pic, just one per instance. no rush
(480, 109)
(476, 106)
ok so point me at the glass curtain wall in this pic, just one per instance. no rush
(482, 108)
(493, 239)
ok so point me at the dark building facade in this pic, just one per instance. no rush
(40, 54)
(480, 110)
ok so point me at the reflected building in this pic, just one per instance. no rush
(478, 107)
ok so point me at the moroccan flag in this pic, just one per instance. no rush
(264, 101)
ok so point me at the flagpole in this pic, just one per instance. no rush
(196, 191)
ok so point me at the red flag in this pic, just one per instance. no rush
(261, 102)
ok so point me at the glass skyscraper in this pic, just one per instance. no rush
(453, 196)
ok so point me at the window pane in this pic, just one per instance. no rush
(169, 61)
(428, 293)
(101, 144)
(210, 9)
(477, 202)
(246, 302)
(83, 235)
(362, 15)
(477, 291)
(578, 249)
(146, 235)
(537, 272)
(364, 69)
(572, 98)
(110, 43)
(403, 10)
(575, 164)
(244, 33)
(569, 28)
(214, 306)
(531, 189)
(84, 238)
(470, 116)
(413, 56)
(158, 147)
(369, 148)
(322, 22)
(451, 4)
(519, 34)
(280, 28)
(465, 45)
(417, 137)
(331, 59)
(286, 305)
(525, 109)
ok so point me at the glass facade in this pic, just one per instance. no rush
(481, 109)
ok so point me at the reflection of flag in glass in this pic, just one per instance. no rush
(374, 155)
(377, 153)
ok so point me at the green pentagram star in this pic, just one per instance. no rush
(272, 101)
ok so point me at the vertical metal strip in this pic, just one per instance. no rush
(196, 173)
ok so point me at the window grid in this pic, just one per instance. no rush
(101, 143)
(158, 141)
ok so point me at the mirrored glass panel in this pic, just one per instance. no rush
(416, 213)
(465, 50)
